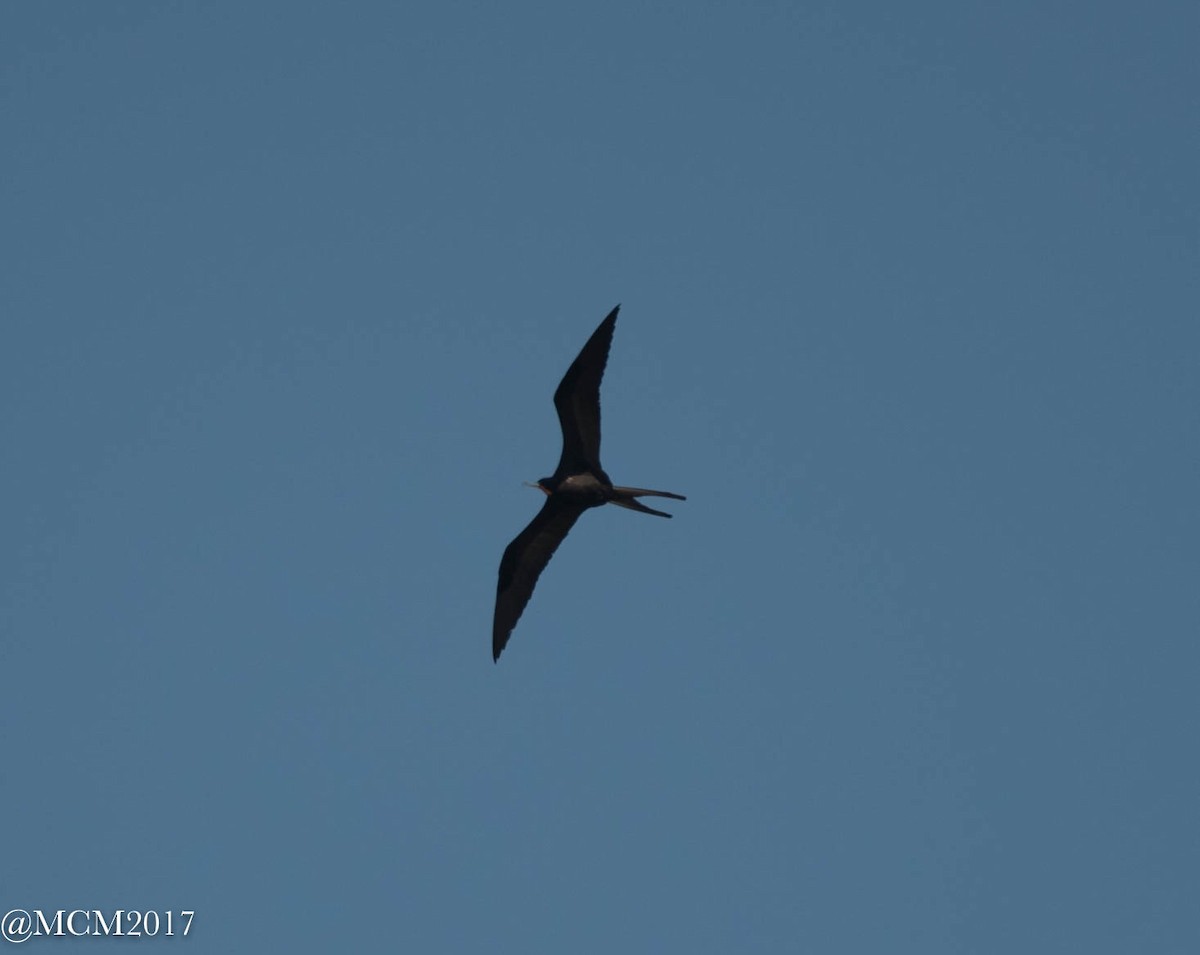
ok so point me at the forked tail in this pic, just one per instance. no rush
(625, 497)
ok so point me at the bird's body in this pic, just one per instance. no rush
(578, 483)
(584, 488)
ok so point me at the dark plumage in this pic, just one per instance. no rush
(578, 483)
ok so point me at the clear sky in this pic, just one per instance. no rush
(910, 314)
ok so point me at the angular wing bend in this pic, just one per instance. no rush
(577, 400)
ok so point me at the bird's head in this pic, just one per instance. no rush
(545, 485)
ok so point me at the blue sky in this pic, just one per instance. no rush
(909, 313)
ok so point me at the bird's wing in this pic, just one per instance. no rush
(578, 402)
(523, 562)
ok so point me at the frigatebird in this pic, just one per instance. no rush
(578, 483)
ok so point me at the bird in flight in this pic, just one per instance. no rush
(579, 482)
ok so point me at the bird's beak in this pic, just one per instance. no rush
(536, 486)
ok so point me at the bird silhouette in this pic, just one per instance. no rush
(578, 483)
